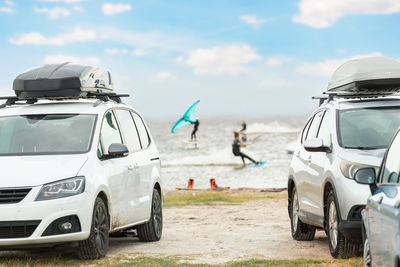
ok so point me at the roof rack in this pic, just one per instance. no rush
(104, 97)
(358, 93)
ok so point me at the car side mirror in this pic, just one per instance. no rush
(316, 145)
(116, 150)
(365, 176)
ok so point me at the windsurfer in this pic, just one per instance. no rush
(196, 127)
(236, 150)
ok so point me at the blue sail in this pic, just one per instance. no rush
(187, 118)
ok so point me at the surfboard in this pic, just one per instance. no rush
(191, 142)
(262, 163)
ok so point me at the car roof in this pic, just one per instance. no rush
(81, 106)
(342, 103)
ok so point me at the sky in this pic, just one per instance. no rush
(241, 58)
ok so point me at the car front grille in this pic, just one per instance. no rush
(17, 229)
(13, 195)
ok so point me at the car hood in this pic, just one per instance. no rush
(368, 157)
(20, 171)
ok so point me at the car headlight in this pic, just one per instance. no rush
(349, 168)
(63, 188)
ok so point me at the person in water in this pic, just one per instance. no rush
(236, 150)
(196, 127)
(243, 132)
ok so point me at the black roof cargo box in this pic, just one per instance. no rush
(62, 81)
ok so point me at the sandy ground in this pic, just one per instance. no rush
(217, 234)
(222, 233)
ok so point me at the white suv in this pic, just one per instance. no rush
(76, 163)
(350, 130)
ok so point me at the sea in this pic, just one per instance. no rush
(268, 140)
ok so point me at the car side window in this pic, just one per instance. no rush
(129, 131)
(305, 130)
(325, 129)
(144, 136)
(313, 130)
(391, 168)
(109, 131)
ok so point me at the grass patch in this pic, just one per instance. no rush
(210, 198)
(169, 262)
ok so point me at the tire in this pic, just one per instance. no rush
(300, 231)
(367, 254)
(96, 246)
(339, 246)
(152, 230)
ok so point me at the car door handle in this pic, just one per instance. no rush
(297, 154)
(309, 159)
(379, 200)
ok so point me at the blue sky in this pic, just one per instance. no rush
(240, 58)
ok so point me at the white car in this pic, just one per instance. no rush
(349, 131)
(76, 163)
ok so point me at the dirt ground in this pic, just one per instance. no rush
(218, 233)
(222, 233)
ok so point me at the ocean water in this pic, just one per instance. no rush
(213, 158)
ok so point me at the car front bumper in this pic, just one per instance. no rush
(46, 212)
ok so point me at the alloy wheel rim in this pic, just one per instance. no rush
(333, 225)
(100, 229)
(367, 254)
(157, 215)
(295, 211)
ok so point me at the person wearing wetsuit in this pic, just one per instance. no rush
(236, 150)
(196, 127)
(243, 132)
(244, 127)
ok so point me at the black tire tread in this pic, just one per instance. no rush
(304, 232)
(87, 249)
(345, 248)
(146, 232)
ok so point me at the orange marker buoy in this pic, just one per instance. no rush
(190, 184)
(213, 185)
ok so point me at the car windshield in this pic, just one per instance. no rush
(368, 128)
(46, 134)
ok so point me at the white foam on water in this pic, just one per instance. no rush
(271, 127)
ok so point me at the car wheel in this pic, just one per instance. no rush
(300, 230)
(96, 246)
(339, 246)
(367, 254)
(152, 230)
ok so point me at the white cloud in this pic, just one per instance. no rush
(219, 60)
(139, 53)
(35, 38)
(55, 59)
(164, 76)
(54, 13)
(9, 2)
(116, 51)
(326, 67)
(253, 20)
(110, 9)
(8, 7)
(179, 60)
(321, 14)
(274, 62)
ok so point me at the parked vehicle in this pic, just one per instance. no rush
(350, 130)
(381, 218)
(77, 164)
